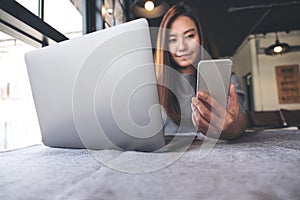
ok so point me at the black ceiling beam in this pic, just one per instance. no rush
(20, 23)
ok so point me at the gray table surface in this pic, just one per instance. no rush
(258, 165)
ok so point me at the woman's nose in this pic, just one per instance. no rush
(182, 45)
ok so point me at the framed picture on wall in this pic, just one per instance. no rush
(288, 84)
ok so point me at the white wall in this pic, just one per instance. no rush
(250, 58)
(243, 61)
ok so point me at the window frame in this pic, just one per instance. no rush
(20, 23)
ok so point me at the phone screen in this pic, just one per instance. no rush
(213, 77)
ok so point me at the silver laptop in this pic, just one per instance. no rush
(98, 91)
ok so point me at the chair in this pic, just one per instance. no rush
(292, 117)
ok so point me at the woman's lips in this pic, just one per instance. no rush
(185, 56)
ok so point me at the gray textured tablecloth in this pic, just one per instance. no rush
(259, 165)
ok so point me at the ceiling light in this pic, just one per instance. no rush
(277, 48)
(149, 9)
(149, 5)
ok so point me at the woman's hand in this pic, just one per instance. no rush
(210, 115)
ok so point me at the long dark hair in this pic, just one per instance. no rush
(163, 58)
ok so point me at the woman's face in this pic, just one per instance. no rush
(184, 43)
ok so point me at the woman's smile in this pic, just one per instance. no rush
(184, 43)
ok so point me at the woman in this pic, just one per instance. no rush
(182, 42)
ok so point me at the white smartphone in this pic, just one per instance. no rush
(213, 77)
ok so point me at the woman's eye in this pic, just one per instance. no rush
(172, 40)
(190, 36)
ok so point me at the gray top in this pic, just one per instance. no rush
(184, 89)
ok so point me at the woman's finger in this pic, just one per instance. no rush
(202, 109)
(233, 106)
(212, 104)
(200, 120)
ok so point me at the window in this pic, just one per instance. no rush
(32, 5)
(60, 14)
(18, 120)
(64, 17)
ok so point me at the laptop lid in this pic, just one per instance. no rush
(98, 91)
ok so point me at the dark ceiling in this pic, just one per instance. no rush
(231, 21)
